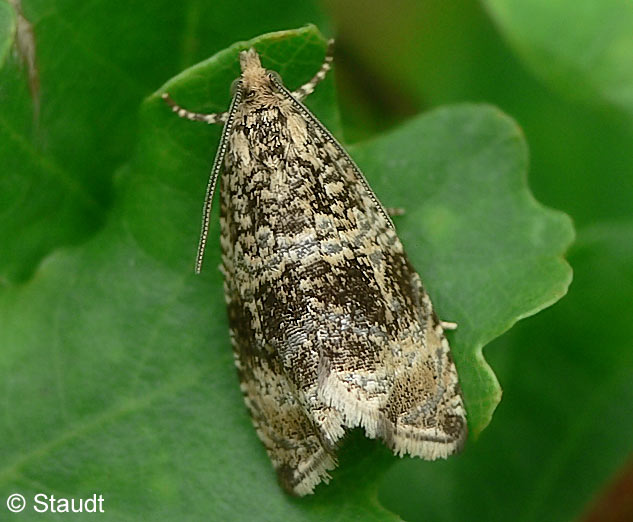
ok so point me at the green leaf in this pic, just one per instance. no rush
(96, 61)
(562, 433)
(7, 29)
(582, 47)
(564, 427)
(487, 251)
(117, 365)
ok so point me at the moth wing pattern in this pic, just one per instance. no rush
(326, 292)
(330, 324)
(383, 361)
(282, 422)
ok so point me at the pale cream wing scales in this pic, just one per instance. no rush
(385, 365)
(425, 411)
(279, 415)
(291, 440)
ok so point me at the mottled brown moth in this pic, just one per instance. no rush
(330, 324)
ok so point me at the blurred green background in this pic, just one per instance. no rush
(559, 446)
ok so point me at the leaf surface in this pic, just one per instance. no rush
(117, 364)
(584, 48)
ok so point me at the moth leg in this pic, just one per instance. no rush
(216, 117)
(308, 88)
(448, 325)
(395, 211)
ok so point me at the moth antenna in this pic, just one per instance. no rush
(308, 88)
(216, 117)
(213, 177)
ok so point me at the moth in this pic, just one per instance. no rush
(330, 324)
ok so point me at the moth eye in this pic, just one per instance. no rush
(274, 75)
(234, 86)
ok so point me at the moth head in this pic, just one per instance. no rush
(256, 81)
